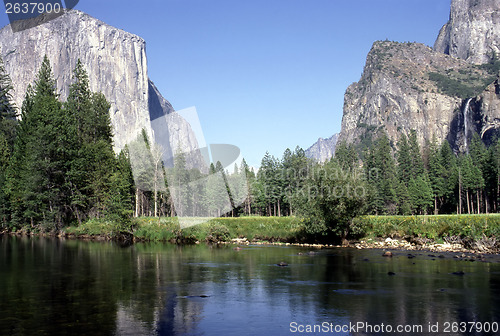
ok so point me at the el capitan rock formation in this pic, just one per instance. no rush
(116, 63)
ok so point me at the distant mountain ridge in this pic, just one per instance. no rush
(323, 150)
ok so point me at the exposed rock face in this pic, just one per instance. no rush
(323, 149)
(485, 113)
(473, 31)
(449, 92)
(114, 59)
(396, 94)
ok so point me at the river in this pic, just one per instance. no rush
(68, 287)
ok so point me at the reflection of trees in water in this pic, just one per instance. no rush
(311, 285)
(95, 288)
(46, 286)
(422, 293)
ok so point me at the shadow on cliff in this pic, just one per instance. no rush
(37, 14)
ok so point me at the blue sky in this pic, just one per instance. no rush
(265, 75)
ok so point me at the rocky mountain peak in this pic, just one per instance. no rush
(323, 150)
(472, 32)
(408, 86)
(115, 61)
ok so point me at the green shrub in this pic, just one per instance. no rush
(218, 233)
(97, 227)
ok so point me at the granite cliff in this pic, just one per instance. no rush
(115, 60)
(323, 149)
(472, 33)
(447, 92)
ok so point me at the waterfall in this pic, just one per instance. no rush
(466, 122)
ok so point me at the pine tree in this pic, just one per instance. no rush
(420, 194)
(249, 178)
(382, 176)
(93, 162)
(411, 172)
(404, 200)
(38, 173)
(122, 199)
(492, 176)
(479, 155)
(238, 185)
(228, 192)
(63, 166)
(297, 170)
(472, 180)
(4, 161)
(404, 160)
(179, 186)
(268, 177)
(346, 156)
(8, 125)
(437, 175)
(416, 156)
(8, 112)
(451, 176)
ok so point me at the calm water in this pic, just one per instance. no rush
(52, 287)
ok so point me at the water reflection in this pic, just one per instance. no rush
(52, 287)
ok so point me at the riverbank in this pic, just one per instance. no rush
(213, 230)
(450, 233)
(434, 232)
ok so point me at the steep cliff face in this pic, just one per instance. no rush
(114, 59)
(323, 149)
(449, 92)
(405, 86)
(473, 32)
(484, 114)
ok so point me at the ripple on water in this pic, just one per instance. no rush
(350, 291)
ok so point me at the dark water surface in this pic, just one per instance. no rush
(53, 287)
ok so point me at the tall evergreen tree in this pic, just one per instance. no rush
(405, 169)
(492, 176)
(249, 179)
(346, 156)
(179, 186)
(450, 175)
(37, 174)
(479, 156)
(268, 177)
(437, 175)
(471, 180)
(420, 194)
(415, 155)
(8, 124)
(382, 176)
(93, 160)
(8, 112)
(412, 174)
(4, 161)
(63, 166)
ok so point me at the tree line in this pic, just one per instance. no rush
(434, 180)
(398, 178)
(58, 167)
(57, 164)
